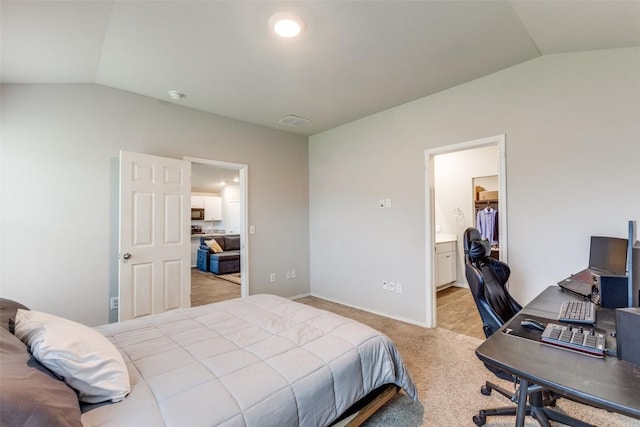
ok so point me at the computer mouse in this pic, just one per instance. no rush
(532, 324)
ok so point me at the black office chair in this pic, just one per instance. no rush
(487, 278)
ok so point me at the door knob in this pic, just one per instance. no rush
(126, 255)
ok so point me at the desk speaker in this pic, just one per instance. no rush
(628, 334)
(613, 290)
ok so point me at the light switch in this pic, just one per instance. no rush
(252, 229)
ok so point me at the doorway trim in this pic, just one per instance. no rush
(243, 171)
(429, 154)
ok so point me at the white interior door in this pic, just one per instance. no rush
(155, 237)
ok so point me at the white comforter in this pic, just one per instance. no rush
(257, 361)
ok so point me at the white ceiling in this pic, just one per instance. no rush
(355, 57)
(207, 178)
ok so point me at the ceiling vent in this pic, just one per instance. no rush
(293, 121)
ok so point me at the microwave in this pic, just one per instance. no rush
(197, 214)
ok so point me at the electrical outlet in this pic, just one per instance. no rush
(392, 287)
(381, 203)
(398, 288)
(288, 275)
(114, 303)
(387, 203)
(385, 285)
(272, 277)
(293, 274)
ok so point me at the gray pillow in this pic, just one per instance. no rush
(221, 242)
(30, 395)
(8, 310)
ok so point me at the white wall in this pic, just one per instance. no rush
(572, 125)
(453, 177)
(59, 218)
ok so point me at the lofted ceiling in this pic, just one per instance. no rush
(355, 58)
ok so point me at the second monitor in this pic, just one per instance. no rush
(608, 265)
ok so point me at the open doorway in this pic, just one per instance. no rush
(453, 177)
(219, 214)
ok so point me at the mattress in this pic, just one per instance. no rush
(256, 361)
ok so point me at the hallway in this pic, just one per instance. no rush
(207, 288)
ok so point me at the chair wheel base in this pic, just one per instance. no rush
(479, 419)
(486, 391)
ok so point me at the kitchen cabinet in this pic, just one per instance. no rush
(197, 202)
(212, 206)
(445, 263)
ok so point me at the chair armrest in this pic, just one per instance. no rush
(202, 259)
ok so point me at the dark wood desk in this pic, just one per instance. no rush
(606, 383)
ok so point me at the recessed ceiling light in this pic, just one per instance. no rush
(286, 24)
(222, 183)
(236, 179)
(174, 94)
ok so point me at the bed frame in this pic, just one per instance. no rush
(361, 411)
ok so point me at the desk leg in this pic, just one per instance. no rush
(522, 403)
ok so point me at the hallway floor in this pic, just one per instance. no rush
(207, 288)
(457, 312)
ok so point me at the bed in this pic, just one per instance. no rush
(256, 361)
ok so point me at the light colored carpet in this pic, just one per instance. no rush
(448, 376)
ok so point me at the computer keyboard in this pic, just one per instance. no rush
(575, 338)
(578, 312)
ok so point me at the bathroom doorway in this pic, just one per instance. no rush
(451, 173)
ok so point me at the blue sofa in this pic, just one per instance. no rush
(225, 262)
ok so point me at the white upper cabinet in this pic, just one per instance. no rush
(213, 208)
(197, 202)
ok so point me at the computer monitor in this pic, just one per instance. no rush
(608, 254)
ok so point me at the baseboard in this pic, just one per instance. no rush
(295, 297)
(401, 319)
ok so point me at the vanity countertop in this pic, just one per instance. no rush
(446, 238)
